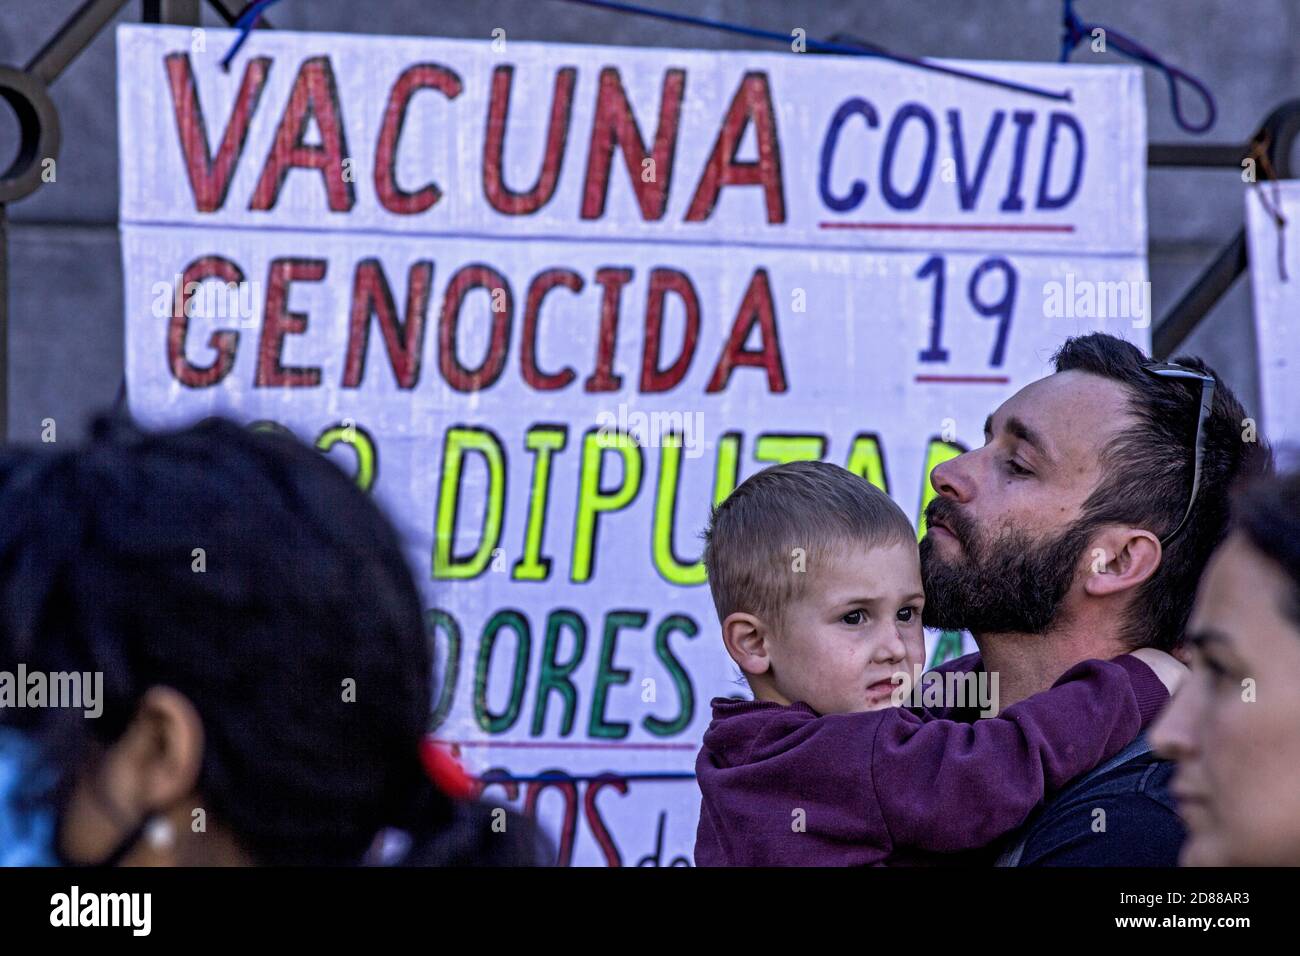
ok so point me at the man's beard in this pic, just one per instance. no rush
(1010, 584)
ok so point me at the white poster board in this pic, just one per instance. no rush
(465, 272)
(1274, 253)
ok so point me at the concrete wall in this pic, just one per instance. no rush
(65, 306)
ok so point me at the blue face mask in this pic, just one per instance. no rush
(27, 812)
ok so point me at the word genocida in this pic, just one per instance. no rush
(372, 304)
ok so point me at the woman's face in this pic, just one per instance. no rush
(1234, 727)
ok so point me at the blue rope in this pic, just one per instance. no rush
(1076, 30)
(247, 20)
(820, 46)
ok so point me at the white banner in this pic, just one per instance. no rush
(475, 367)
(1274, 252)
(454, 137)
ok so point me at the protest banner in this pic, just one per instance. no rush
(1273, 242)
(549, 303)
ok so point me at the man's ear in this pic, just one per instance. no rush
(745, 637)
(1121, 559)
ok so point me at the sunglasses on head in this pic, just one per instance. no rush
(1171, 370)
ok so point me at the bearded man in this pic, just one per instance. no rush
(1079, 530)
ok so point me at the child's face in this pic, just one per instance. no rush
(857, 624)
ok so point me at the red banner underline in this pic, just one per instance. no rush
(966, 379)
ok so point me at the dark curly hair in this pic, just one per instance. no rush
(304, 587)
(1268, 514)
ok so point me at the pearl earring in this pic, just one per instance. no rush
(160, 833)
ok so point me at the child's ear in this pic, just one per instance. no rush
(745, 637)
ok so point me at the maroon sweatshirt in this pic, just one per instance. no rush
(782, 785)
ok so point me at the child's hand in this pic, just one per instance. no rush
(1171, 672)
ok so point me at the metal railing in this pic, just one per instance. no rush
(1272, 145)
(26, 93)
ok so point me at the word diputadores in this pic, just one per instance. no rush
(612, 478)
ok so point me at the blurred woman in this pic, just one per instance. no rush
(265, 669)
(1234, 727)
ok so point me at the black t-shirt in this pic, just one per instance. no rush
(1122, 816)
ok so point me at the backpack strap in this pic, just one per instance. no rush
(1138, 748)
